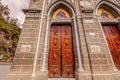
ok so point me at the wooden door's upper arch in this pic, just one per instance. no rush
(61, 13)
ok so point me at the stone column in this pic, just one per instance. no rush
(80, 68)
(44, 68)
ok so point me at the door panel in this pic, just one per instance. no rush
(61, 62)
(54, 57)
(67, 53)
(113, 38)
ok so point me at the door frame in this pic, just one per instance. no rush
(77, 52)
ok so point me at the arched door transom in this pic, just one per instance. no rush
(61, 13)
(105, 14)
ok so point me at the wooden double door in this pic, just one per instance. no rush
(113, 39)
(61, 62)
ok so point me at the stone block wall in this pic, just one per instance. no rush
(96, 61)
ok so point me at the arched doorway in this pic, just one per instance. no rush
(112, 32)
(61, 53)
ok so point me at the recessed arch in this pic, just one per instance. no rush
(73, 24)
(109, 7)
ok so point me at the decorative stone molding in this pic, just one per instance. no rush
(31, 11)
(109, 20)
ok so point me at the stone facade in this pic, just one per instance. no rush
(93, 59)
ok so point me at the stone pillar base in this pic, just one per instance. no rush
(83, 76)
(19, 77)
(42, 76)
(116, 75)
(98, 75)
(38, 76)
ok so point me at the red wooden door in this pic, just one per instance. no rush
(67, 52)
(113, 38)
(61, 62)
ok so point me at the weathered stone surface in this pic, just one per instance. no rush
(95, 57)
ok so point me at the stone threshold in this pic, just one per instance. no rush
(61, 78)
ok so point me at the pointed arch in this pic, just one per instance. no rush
(108, 6)
(61, 4)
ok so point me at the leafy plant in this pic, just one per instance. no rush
(8, 42)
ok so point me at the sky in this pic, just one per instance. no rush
(16, 7)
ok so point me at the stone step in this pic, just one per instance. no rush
(61, 78)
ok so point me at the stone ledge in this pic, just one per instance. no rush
(5, 63)
(31, 11)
